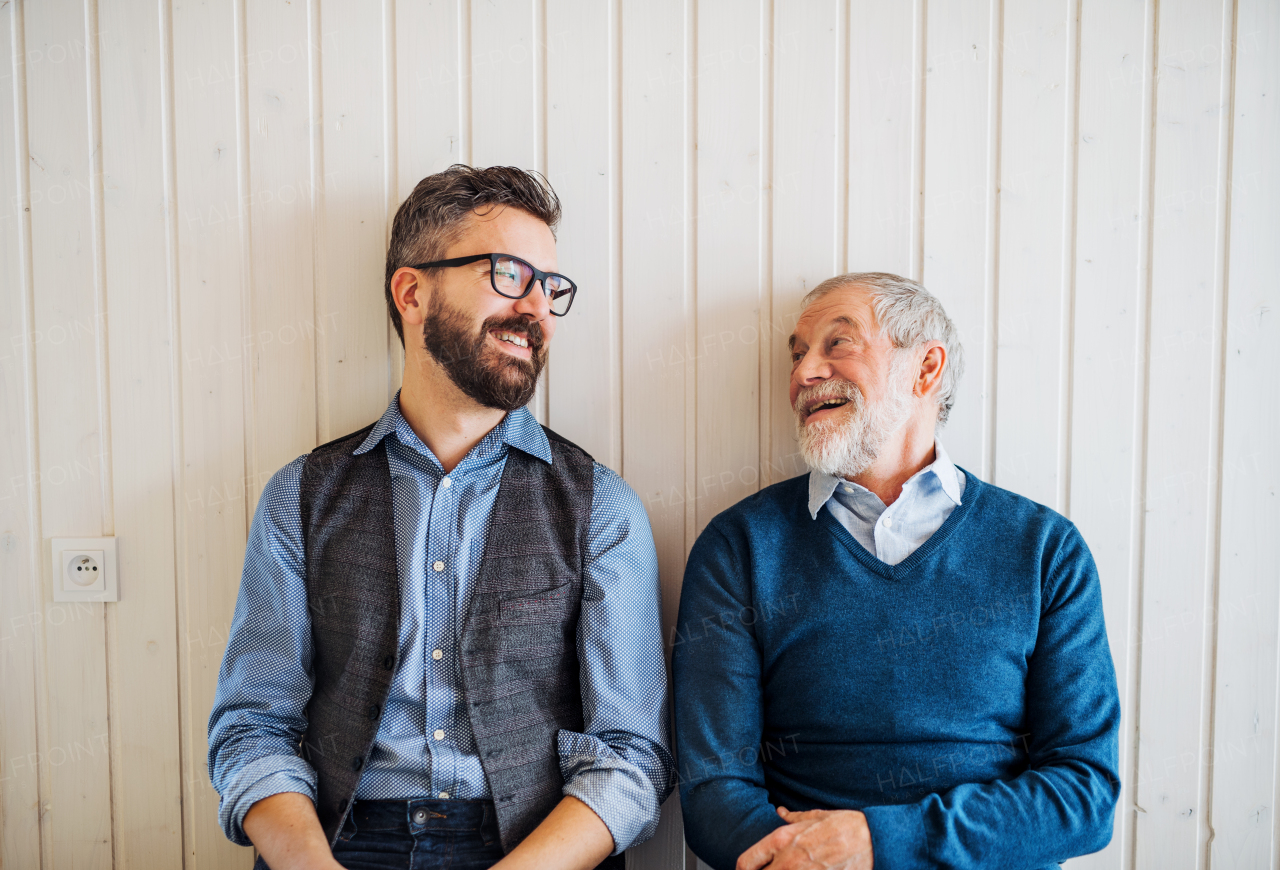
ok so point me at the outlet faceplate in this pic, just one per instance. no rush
(84, 569)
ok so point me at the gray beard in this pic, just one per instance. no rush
(849, 444)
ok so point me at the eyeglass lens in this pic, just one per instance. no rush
(511, 276)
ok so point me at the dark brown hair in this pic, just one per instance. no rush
(435, 214)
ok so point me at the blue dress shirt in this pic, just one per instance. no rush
(892, 533)
(620, 765)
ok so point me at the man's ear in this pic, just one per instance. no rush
(929, 378)
(411, 293)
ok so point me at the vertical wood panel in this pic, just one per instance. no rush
(21, 595)
(1037, 63)
(508, 98)
(807, 243)
(430, 80)
(143, 640)
(432, 84)
(281, 258)
(350, 323)
(961, 62)
(62, 147)
(216, 485)
(657, 57)
(884, 74)
(732, 183)
(1183, 421)
(1244, 751)
(504, 79)
(1110, 303)
(584, 376)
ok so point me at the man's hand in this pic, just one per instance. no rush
(816, 840)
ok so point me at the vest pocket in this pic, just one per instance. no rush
(549, 605)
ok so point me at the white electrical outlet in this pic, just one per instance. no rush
(84, 569)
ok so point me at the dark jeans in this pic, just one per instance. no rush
(419, 835)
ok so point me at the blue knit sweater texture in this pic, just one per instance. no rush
(964, 699)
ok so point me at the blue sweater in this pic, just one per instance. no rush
(963, 699)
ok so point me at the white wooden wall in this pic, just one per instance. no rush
(194, 202)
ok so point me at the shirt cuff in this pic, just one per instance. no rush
(616, 790)
(898, 837)
(260, 779)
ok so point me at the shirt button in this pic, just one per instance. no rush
(888, 522)
(848, 489)
(439, 566)
(439, 735)
(444, 795)
(437, 654)
(446, 483)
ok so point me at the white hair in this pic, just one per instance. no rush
(909, 316)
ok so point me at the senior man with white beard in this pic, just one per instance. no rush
(887, 662)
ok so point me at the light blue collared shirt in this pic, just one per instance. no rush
(620, 764)
(892, 533)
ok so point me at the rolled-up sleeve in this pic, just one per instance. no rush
(621, 766)
(265, 682)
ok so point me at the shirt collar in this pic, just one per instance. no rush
(518, 429)
(946, 472)
(821, 485)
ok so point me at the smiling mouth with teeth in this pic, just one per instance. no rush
(829, 403)
(511, 338)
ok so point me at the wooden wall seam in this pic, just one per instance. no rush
(991, 282)
(1070, 203)
(247, 284)
(1213, 531)
(319, 301)
(919, 96)
(690, 235)
(767, 180)
(541, 398)
(840, 220)
(176, 399)
(1141, 430)
(33, 599)
(615, 145)
(92, 37)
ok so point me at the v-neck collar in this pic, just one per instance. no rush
(974, 490)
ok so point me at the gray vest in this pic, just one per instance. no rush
(519, 635)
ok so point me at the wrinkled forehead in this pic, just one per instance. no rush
(848, 308)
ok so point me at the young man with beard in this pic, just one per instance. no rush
(888, 662)
(447, 645)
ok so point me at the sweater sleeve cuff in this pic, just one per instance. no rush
(616, 790)
(898, 837)
(261, 779)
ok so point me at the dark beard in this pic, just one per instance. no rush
(489, 376)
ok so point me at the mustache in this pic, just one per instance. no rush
(474, 347)
(530, 329)
(831, 389)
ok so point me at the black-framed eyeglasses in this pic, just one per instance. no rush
(514, 278)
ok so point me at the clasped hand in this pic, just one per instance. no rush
(813, 840)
